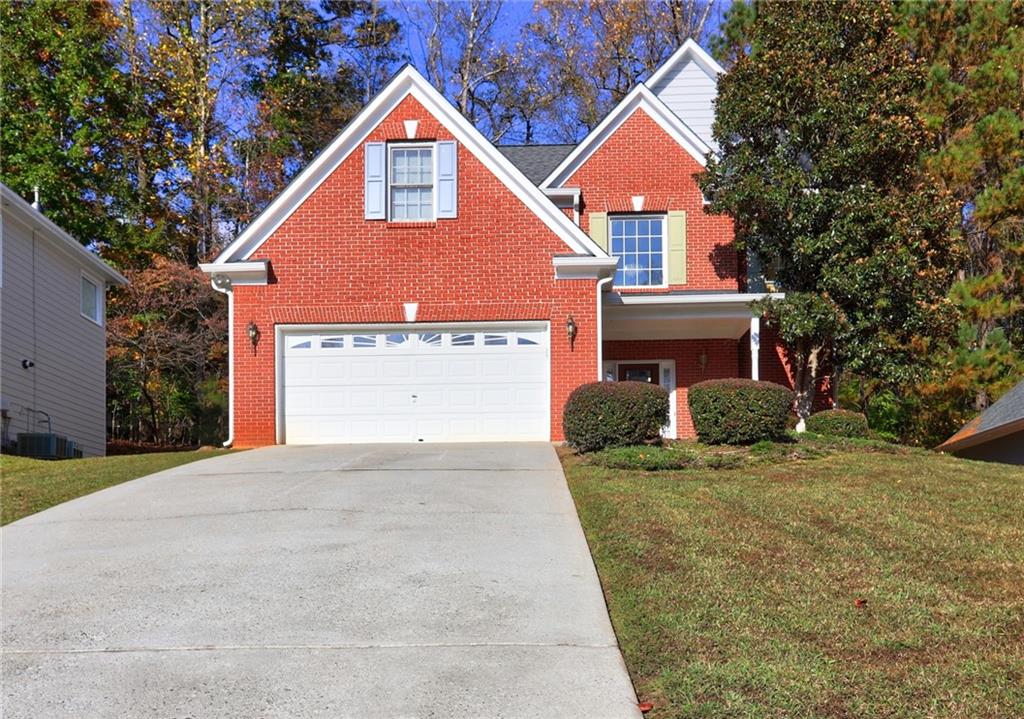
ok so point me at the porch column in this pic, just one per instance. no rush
(755, 346)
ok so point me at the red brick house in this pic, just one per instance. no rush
(417, 283)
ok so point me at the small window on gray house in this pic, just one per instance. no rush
(90, 300)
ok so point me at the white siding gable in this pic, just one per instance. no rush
(690, 93)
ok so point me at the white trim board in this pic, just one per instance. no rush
(639, 98)
(408, 82)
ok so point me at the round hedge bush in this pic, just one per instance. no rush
(739, 411)
(614, 414)
(838, 423)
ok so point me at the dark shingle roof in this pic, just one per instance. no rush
(1009, 409)
(536, 161)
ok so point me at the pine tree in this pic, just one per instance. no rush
(974, 102)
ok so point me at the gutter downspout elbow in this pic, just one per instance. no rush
(222, 284)
(600, 326)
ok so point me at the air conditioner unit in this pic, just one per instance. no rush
(41, 445)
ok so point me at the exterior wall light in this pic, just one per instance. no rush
(254, 335)
(571, 330)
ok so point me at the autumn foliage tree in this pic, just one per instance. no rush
(166, 346)
(973, 101)
(820, 133)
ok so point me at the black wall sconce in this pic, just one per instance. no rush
(254, 335)
(571, 330)
(703, 361)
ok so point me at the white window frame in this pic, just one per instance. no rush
(666, 379)
(664, 246)
(432, 146)
(100, 305)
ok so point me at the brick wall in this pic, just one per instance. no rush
(329, 265)
(642, 159)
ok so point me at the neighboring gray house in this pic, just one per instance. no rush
(52, 335)
(995, 435)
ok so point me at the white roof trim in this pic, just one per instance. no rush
(577, 267)
(689, 50)
(407, 82)
(710, 298)
(639, 98)
(15, 203)
(240, 273)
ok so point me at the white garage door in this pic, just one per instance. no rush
(416, 383)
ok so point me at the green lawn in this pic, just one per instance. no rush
(860, 583)
(28, 486)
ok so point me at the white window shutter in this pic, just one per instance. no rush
(447, 180)
(376, 171)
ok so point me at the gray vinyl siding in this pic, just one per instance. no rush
(41, 320)
(690, 93)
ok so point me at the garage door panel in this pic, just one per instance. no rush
(414, 384)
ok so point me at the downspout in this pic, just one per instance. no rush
(600, 326)
(222, 283)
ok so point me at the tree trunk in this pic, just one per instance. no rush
(805, 382)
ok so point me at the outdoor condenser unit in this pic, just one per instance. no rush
(46, 445)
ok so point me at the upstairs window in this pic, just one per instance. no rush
(639, 243)
(412, 183)
(91, 300)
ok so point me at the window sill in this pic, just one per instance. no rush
(393, 225)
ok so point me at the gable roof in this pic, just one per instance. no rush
(408, 82)
(61, 240)
(640, 97)
(689, 51)
(536, 161)
(1002, 418)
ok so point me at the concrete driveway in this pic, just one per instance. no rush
(341, 581)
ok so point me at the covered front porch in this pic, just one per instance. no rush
(680, 339)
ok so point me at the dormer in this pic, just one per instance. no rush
(688, 83)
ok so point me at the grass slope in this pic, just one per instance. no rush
(28, 485)
(857, 584)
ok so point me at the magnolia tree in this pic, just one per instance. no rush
(808, 324)
(819, 133)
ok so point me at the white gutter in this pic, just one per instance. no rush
(723, 298)
(600, 326)
(222, 284)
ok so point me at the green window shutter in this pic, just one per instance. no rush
(677, 247)
(598, 224)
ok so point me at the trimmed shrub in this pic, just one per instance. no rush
(838, 423)
(739, 411)
(648, 459)
(614, 414)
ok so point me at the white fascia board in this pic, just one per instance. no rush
(15, 203)
(562, 193)
(711, 298)
(407, 82)
(240, 273)
(640, 97)
(689, 50)
(582, 267)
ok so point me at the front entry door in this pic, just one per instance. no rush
(645, 372)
